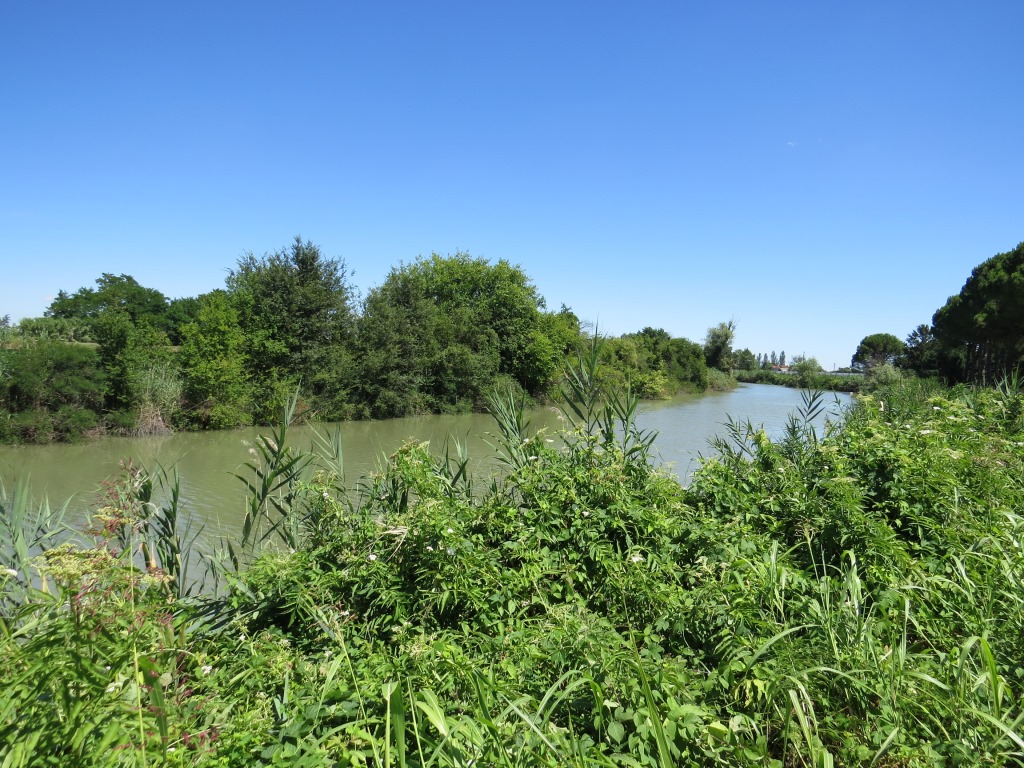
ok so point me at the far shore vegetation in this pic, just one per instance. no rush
(435, 337)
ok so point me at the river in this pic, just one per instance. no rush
(214, 499)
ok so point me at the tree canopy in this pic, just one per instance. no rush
(718, 346)
(439, 331)
(295, 309)
(877, 349)
(112, 292)
(980, 329)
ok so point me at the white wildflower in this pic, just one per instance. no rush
(207, 668)
(636, 559)
(429, 548)
(11, 572)
(586, 513)
(450, 551)
(927, 431)
(372, 557)
(936, 408)
(451, 531)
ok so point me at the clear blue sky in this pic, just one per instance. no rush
(816, 171)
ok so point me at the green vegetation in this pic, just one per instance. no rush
(848, 596)
(440, 331)
(877, 349)
(978, 331)
(801, 379)
(435, 337)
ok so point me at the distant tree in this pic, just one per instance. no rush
(745, 360)
(180, 312)
(54, 329)
(439, 331)
(685, 363)
(782, 358)
(774, 360)
(213, 365)
(979, 330)
(921, 354)
(877, 349)
(295, 308)
(718, 346)
(130, 354)
(120, 293)
(806, 368)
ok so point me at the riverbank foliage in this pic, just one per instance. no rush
(849, 595)
(831, 382)
(437, 335)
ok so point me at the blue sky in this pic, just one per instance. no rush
(815, 171)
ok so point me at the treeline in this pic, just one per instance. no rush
(434, 337)
(976, 337)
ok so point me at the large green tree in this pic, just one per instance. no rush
(877, 349)
(143, 384)
(981, 330)
(921, 354)
(718, 346)
(439, 331)
(120, 293)
(295, 308)
(213, 365)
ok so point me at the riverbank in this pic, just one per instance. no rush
(829, 382)
(839, 595)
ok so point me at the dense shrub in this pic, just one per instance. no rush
(50, 390)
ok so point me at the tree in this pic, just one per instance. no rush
(295, 308)
(877, 349)
(718, 346)
(180, 312)
(979, 330)
(142, 379)
(806, 369)
(745, 360)
(112, 293)
(921, 354)
(50, 390)
(214, 365)
(439, 331)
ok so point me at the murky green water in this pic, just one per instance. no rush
(214, 498)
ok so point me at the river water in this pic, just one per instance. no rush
(214, 498)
